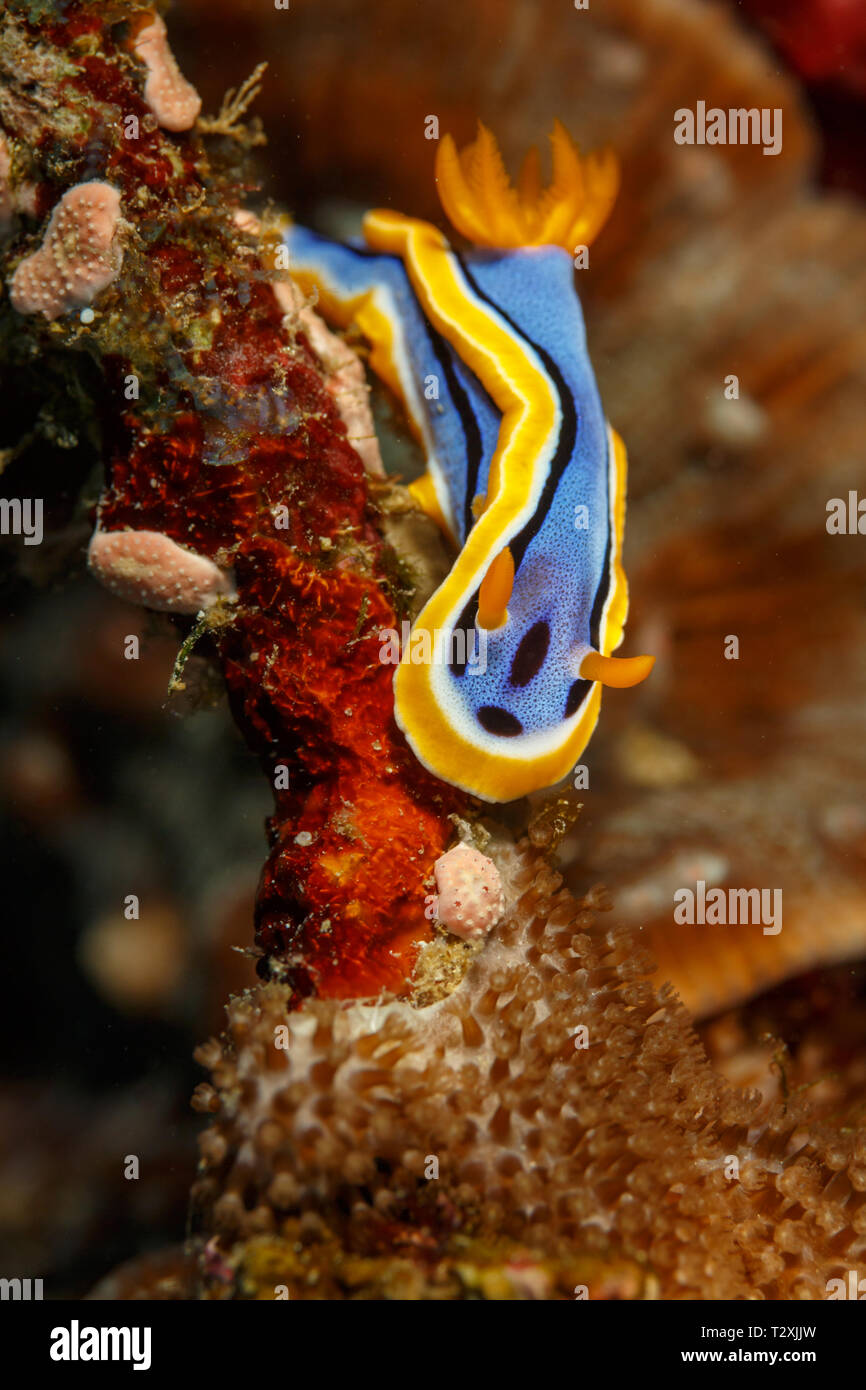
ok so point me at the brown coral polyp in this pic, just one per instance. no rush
(616, 1149)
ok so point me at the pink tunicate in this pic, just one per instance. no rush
(149, 568)
(470, 900)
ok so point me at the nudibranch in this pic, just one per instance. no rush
(487, 352)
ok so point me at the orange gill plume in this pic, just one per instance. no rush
(482, 203)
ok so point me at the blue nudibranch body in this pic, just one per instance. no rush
(487, 352)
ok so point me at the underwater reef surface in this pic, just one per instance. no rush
(401, 1046)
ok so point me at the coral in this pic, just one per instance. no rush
(309, 1262)
(80, 253)
(563, 1104)
(149, 568)
(173, 100)
(802, 1040)
(470, 899)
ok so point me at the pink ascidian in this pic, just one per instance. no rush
(79, 255)
(470, 900)
(149, 568)
(173, 100)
